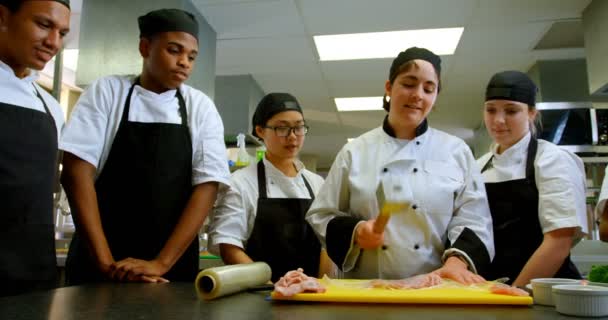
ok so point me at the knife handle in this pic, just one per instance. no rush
(380, 223)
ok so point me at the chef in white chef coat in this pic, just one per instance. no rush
(260, 216)
(536, 190)
(144, 156)
(447, 227)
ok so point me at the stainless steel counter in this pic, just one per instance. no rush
(180, 301)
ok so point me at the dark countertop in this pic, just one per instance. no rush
(180, 301)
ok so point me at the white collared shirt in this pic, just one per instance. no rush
(559, 176)
(21, 93)
(95, 120)
(236, 206)
(446, 187)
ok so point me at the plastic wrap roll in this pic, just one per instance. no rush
(216, 282)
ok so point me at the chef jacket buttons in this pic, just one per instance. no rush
(385, 170)
(384, 247)
(414, 207)
(415, 170)
(417, 142)
(416, 246)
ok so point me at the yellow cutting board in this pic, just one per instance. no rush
(349, 290)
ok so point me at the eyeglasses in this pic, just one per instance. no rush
(282, 131)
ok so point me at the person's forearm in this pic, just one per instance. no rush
(232, 254)
(326, 266)
(78, 180)
(192, 218)
(546, 260)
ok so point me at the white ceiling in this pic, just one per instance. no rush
(272, 41)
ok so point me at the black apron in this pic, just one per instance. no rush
(141, 192)
(281, 236)
(517, 229)
(28, 163)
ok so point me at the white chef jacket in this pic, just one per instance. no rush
(559, 176)
(95, 120)
(21, 93)
(236, 206)
(446, 188)
(601, 201)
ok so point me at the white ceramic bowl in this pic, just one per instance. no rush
(541, 289)
(581, 300)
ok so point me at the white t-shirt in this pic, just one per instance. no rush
(94, 123)
(560, 179)
(21, 93)
(236, 207)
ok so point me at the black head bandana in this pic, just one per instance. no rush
(272, 104)
(13, 4)
(412, 53)
(513, 86)
(167, 20)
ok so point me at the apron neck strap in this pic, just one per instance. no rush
(263, 193)
(46, 108)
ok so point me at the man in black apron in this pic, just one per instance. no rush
(280, 235)
(139, 219)
(28, 144)
(514, 204)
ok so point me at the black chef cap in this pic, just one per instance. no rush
(414, 53)
(13, 5)
(512, 85)
(167, 20)
(272, 104)
(410, 54)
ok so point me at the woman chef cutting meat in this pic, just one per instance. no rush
(447, 226)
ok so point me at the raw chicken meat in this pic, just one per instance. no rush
(501, 288)
(296, 281)
(415, 282)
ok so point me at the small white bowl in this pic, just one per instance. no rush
(581, 300)
(541, 289)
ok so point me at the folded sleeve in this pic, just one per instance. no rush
(560, 179)
(85, 133)
(470, 233)
(329, 217)
(229, 220)
(210, 161)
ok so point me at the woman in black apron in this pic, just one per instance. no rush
(533, 188)
(278, 234)
(139, 223)
(28, 147)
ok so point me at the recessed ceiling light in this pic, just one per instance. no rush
(359, 104)
(376, 45)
